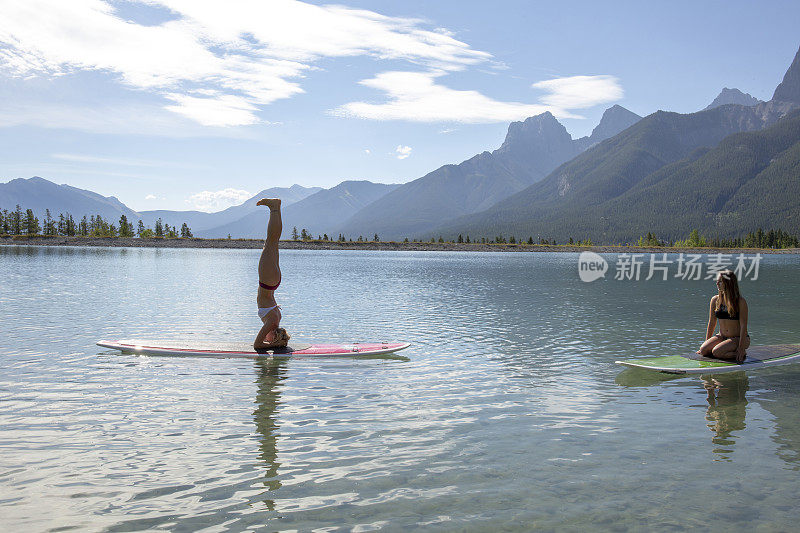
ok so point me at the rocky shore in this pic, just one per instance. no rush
(124, 242)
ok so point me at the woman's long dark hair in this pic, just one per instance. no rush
(728, 292)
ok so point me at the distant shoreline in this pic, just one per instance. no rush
(125, 242)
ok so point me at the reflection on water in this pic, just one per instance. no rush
(727, 407)
(270, 374)
(726, 397)
(506, 412)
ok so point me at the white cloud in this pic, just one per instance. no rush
(415, 96)
(107, 119)
(218, 62)
(83, 158)
(150, 197)
(402, 151)
(211, 201)
(580, 92)
(223, 110)
(366, 151)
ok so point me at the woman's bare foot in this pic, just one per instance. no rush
(272, 203)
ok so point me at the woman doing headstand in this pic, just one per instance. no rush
(269, 277)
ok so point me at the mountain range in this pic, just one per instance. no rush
(531, 150)
(317, 213)
(727, 169)
(576, 198)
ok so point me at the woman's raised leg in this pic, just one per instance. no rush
(269, 271)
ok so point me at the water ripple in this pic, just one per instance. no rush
(508, 413)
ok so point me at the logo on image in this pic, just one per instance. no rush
(591, 266)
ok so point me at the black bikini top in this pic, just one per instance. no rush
(722, 313)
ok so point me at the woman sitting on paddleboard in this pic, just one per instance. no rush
(730, 309)
(269, 277)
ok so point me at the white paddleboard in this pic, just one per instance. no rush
(228, 349)
(757, 357)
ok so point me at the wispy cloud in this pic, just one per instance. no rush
(150, 197)
(84, 158)
(402, 151)
(56, 171)
(417, 97)
(217, 63)
(580, 92)
(135, 119)
(217, 200)
(220, 64)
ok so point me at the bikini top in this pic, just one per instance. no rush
(722, 313)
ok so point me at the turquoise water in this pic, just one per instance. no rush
(508, 415)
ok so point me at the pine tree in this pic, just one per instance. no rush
(16, 221)
(159, 228)
(47, 223)
(139, 228)
(294, 233)
(69, 222)
(31, 223)
(376, 238)
(123, 226)
(99, 227)
(304, 235)
(186, 233)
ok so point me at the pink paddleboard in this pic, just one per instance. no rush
(217, 349)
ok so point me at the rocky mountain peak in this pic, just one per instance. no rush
(733, 96)
(789, 88)
(540, 130)
(615, 119)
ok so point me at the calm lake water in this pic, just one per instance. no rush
(507, 415)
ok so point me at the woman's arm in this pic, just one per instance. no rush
(266, 335)
(260, 342)
(712, 318)
(740, 355)
(705, 349)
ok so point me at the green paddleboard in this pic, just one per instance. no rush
(757, 357)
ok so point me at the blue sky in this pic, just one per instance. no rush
(182, 104)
